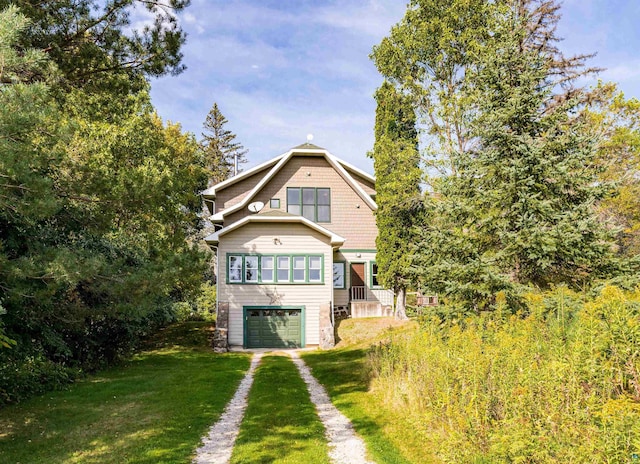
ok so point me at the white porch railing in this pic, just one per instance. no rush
(358, 293)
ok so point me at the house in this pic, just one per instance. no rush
(295, 244)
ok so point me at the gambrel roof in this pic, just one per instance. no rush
(273, 166)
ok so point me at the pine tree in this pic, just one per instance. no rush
(397, 168)
(221, 151)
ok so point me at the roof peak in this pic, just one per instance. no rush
(308, 146)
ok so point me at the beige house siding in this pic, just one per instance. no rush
(366, 185)
(259, 239)
(236, 192)
(351, 218)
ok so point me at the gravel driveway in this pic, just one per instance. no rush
(345, 447)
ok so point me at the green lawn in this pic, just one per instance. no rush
(280, 424)
(153, 409)
(345, 375)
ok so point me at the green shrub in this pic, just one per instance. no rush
(202, 308)
(22, 378)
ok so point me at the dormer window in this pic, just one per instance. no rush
(310, 202)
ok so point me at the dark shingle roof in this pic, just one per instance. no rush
(307, 146)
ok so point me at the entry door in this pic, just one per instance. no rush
(358, 290)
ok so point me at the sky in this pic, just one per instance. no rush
(282, 69)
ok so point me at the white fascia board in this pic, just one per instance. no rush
(334, 238)
(212, 239)
(351, 181)
(258, 187)
(211, 191)
(358, 171)
(335, 162)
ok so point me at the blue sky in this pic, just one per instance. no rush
(281, 69)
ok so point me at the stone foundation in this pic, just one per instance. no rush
(327, 338)
(220, 342)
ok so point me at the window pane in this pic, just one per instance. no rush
(324, 196)
(308, 196)
(309, 212)
(315, 262)
(235, 268)
(294, 209)
(298, 268)
(298, 262)
(314, 275)
(251, 268)
(374, 275)
(324, 213)
(267, 268)
(283, 269)
(293, 196)
(338, 275)
(274, 203)
(267, 275)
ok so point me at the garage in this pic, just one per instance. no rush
(270, 327)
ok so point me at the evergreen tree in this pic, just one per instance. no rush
(93, 46)
(533, 177)
(397, 168)
(97, 196)
(222, 153)
(512, 194)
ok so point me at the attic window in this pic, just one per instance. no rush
(310, 202)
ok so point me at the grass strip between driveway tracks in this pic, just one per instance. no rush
(280, 424)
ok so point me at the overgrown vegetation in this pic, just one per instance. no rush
(530, 196)
(347, 377)
(560, 383)
(154, 408)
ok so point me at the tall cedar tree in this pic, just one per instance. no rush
(397, 167)
(221, 151)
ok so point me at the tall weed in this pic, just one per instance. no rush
(557, 384)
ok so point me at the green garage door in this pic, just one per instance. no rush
(273, 328)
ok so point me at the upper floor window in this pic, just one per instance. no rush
(310, 202)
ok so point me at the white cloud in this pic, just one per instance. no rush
(372, 18)
(280, 70)
(623, 72)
